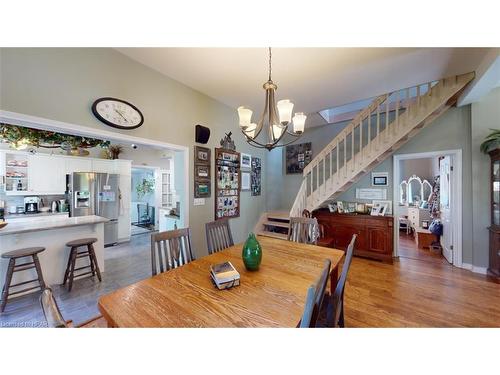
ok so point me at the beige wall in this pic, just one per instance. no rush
(61, 84)
(485, 115)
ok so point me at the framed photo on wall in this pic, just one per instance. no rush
(297, 156)
(202, 178)
(202, 189)
(201, 155)
(245, 181)
(380, 178)
(202, 171)
(246, 160)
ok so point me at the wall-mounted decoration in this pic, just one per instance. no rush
(202, 189)
(256, 176)
(227, 183)
(202, 171)
(297, 157)
(371, 194)
(201, 155)
(117, 113)
(246, 160)
(202, 180)
(227, 143)
(380, 178)
(20, 138)
(245, 181)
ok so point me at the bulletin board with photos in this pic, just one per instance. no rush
(227, 184)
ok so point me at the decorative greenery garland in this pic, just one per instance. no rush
(18, 135)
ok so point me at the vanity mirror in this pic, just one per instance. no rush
(414, 191)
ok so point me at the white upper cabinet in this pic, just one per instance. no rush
(103, 166)
(78, 164)
(46, 174)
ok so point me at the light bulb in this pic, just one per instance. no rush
(250, 130)
(299, 122)
(285, 109)
(277, 131)
(245, 115)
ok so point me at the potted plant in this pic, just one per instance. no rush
(114, 151)
(491, 142)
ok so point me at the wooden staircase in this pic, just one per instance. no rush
(273, 224)
(371, 137)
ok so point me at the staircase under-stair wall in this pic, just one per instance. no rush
(374, 134)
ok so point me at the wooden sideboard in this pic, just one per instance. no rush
(375, 233)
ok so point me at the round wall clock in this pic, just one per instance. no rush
(117, 113)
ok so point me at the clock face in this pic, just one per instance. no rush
(117, 113)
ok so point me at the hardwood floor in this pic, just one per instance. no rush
(416, 293)
(408, 249)
(408, 293)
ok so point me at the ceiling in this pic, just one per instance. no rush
(313, 78)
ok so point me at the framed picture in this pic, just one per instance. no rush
(380, 178)
(255, 178)
(340, 207)
(245, 181)
(246, 160)
(379, 208)
(351, 207)
(388, 210)
(201, 155)
(297, 156)
(360, 208)
(202, 171)
(332, 207)
(202, 189)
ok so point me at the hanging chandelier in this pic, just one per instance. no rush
(275, 120)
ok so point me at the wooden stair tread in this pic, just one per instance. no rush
(280, 236)
(276, 224)
(278, 215)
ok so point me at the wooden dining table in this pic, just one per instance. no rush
(273, 296)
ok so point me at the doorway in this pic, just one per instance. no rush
(428, 215)
(143, 197)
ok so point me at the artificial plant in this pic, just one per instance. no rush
(491, 142)
(146, 186)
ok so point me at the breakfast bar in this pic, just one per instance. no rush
(52, 233)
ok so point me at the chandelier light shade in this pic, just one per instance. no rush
(275, 120)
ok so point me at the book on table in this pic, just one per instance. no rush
(224, 275)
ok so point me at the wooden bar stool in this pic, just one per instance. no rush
(74, 254)
(13, 256)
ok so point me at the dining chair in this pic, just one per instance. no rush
(314, 298)
(219, 235)
(303, 230)
(335, 309)
(54, 318)
(170, 249)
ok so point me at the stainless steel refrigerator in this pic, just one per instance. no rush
(96, 194)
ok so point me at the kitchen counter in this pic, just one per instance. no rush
(52, 232)
(27, 216)
(47, 222)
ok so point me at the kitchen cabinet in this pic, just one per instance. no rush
(374, 233)
(77, 164)
(45, 175)
(103, 166)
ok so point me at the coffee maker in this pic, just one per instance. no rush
(31, 205)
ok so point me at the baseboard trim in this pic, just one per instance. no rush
(475, 269)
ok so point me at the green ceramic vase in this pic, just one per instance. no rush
(252, 253)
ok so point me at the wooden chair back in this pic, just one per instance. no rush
(303, 230)
(219, 235)
(315, 297)
(50, 310)
(170, 249)
(335, 312)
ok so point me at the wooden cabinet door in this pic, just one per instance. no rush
(378, 240)
(342, 235)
